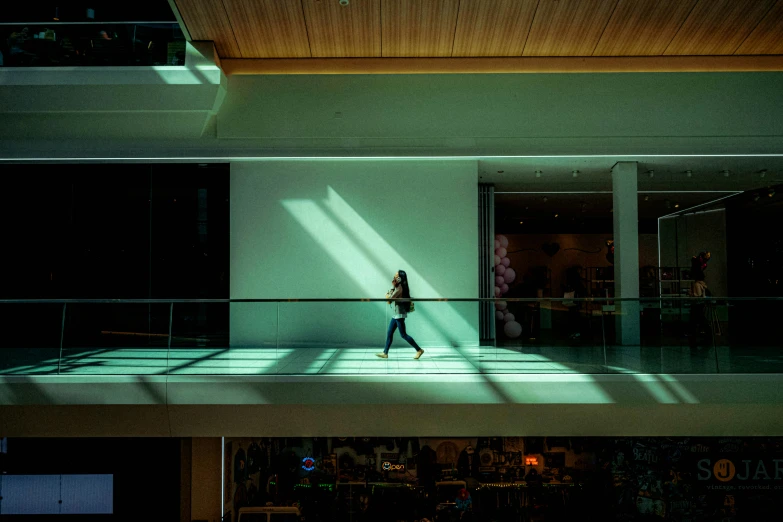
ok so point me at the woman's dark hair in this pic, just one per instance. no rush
(406, 292)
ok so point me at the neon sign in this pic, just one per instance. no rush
(308, 464)
(531, 461)
(388, 466)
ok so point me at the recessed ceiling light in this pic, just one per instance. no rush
(647, 198)
(651, 173)
(501, 171)
(538, 173)
(521, 222)
(545, 199)
(763, 173)
(575, 173)
(676, 205)
(756, 197)
(689, 173)
(771, 192)
(725, 173)
(557, 215)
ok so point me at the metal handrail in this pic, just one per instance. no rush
(383, 299)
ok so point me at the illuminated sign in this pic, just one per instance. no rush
(531, 461)
(388, 466)
(752, 469)
(308, 464)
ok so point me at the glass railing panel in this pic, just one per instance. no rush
(674, 338)
(31, 336)
(237, 338)
(116, 338)
(344, 337)
(200, 342)
(745, 334)
(70, 44)
(547, 336)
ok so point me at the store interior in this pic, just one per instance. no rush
(555, 220)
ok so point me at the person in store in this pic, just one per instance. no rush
(698, 318)
(574, 289)
(400, 310)
(464, 504)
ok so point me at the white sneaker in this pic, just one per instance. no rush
(382, 355)
(418, 354)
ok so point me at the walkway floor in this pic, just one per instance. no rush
(362, 361)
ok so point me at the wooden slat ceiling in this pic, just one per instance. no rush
(475, 28)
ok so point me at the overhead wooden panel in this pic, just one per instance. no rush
(642, 27)
(718, 26)
(568, 27)
(493, 27)
(418, 27)
(767, 37)
(207, 20)
(343, 31)
(269, 28)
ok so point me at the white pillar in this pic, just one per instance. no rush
(626, 251)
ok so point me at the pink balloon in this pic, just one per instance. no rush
(499, 269)
(497, 244)
(512, 329)
(501, 252)
(500, 305)
(503, 288)
(497, 292)
(498, 315)
(508, 317)
(509, 275)
(503, 240)
(497, 259)
(505, 262)
(499, 280)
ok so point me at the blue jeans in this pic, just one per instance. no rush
(393, 325)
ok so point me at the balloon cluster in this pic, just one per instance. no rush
(504, 275)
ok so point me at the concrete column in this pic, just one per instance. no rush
(626, 251)
(206, 479)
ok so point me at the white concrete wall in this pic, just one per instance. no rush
(340, 229)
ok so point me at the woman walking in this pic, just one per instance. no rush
(400, 310)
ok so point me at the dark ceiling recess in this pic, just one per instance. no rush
(588, 213)
(76, 11)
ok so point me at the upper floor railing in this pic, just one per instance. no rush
(69, 44)
(344, 336)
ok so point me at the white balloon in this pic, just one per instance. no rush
(499, 269)
(503, 241)
(505, 262)
(501, 305)
(497, 244)
(503, 288)
(497, 259)
(509, 275)
(497, 292)
(498, 315)
(508, 317)
(499, 281)
(501, 252)
(512, 329)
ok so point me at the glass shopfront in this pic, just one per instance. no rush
(504, 478)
